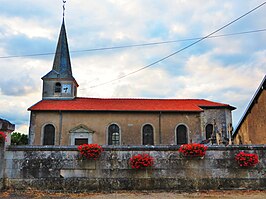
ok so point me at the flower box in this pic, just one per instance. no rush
(246, 159)
(193, 150)
(141, 161)
(90, 151)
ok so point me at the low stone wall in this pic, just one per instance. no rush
(58, 168)
(2, 165)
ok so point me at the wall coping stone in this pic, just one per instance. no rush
(134, 148)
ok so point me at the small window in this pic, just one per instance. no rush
(209, 131)
(49, 135)
(57, 87)
(147, 133)
(113, 135)
(80, 141)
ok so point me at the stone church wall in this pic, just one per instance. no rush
(222, 118)
(164, 125)
(58, 168)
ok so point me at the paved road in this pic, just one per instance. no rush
(137, 195)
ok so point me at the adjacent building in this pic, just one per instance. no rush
(251, 128)
(7, 128)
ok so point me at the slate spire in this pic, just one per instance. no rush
(62, 63)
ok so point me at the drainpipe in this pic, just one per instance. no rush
(160, 130)
(60, 127)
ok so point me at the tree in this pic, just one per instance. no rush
(19, 139)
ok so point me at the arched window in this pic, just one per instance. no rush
(57, 88)
(147, 135)
(49, 135)
(209, 131)
(113, 135)
(181, 134)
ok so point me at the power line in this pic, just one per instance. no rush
(135, 45)
(180, 50)
(167, 42)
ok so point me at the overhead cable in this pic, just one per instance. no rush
(135, 45)
(180, 50)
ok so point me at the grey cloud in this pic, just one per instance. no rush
(18, 86)
(22, 45)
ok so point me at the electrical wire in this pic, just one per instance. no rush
(135, 45)
(180, 50)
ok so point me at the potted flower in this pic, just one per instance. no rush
(90, 151)
(2, 137)
(246, 159)
(193, 150)
(141, 161)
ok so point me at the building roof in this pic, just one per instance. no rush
(6, 125)
(61, 65)
(253, 101)
(126, 104)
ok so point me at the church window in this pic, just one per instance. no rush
(49, 135)
(181, 134)
(113, 134)
(209, 131)
(57, 87)
(147, 135)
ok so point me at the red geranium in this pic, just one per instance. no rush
(90, 151)
(193, 149)
(246, 159)
(2, 137)
(141, 161)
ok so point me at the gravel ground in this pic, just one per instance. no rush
(136, 195)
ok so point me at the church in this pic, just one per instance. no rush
(63, 118)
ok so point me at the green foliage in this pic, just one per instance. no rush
(19, 139)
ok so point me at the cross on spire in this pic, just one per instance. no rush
(64, 3)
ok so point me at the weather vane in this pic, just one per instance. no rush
(64, 2)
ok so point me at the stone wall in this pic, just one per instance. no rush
(58, 168)
(1, 165)
(223, 119)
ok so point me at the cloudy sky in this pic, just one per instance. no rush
(225, 69)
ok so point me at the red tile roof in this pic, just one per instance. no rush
(126, 104)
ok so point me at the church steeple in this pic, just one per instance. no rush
(62, 63)
(59, 82)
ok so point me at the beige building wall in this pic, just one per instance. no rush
(253, 128)
(170, 121)
(130, 125)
